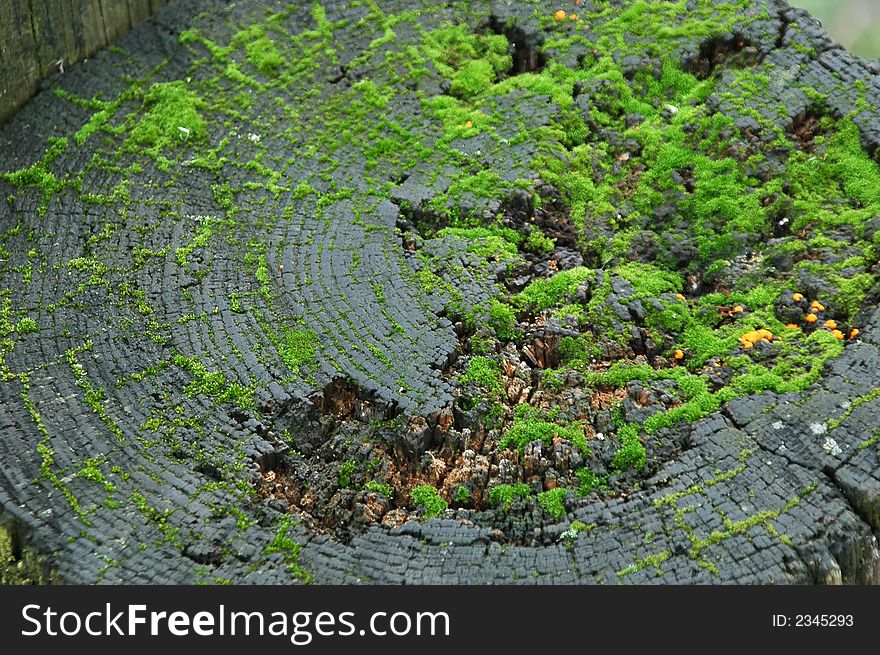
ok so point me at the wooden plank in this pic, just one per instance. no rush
(36, 34)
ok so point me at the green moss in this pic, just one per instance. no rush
(484, 184)
(283, 543)
(651, 560)
(546, 293)
(93, 397)
(374, 97)
(732, 528)
(303, 190)
(262, 274)
(588, 481)
(203, 234)
(539, 243)
(532, 424)
(427, 497)
(213, 383)
(648, 280)
(261, 51)
(470, 61)
(461, 495)
(867, 443)
(298, 348)
(497, 244)
(504, 495)
(91, 470)
(100, 120)
(854, 404)
(168, 107)
(577, 527)
(505, 238)
(39, 175)
(833, 185)
(632, 453)
(473, 78)
(380, 487)
(553, 502)
(27, 325)
(484, 372)
(502, 318)
(346, 471)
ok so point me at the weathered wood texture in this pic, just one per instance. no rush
(38, 37)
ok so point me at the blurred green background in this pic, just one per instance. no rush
(855, 24)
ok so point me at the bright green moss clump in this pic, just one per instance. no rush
(427, 497)
(470, 61)
(587, 481)
(380, 487)
(284, 544)
(346, 472)
(484, 372)
(649, 281)
(531, 424)
(39, 174)
(474, 77)
(502, 318)
(632, 453)
(27, 325)
(171, 116)
(263, 53)
(545, 293)
(299, 347)
(213, 383)
(553, 502)
(504, 494)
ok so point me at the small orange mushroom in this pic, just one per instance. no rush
(572, 17)
(738, 309)
(816, 306)
(792, 326)
(837, 334)
(831, 324)
(854, 333)
(679, 354)
(811, 318)
(468, 123)
(751, 338)
(797, 297)
(560, 15)
(680, 297)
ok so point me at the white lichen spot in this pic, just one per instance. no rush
(830, 446)
(818, 428)
(254, 138)
(777, 425)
